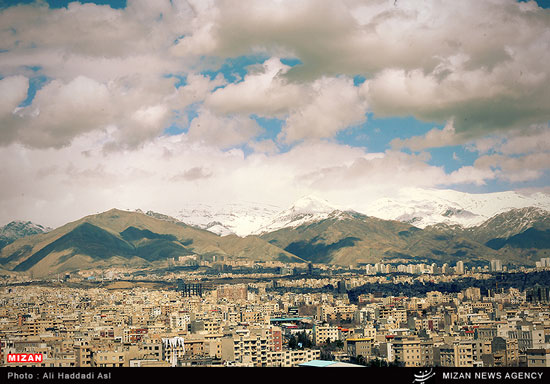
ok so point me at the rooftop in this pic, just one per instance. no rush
(326, 363)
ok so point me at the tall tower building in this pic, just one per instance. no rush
(459, 267)
(496, 265)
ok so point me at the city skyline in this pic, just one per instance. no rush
(273, 315)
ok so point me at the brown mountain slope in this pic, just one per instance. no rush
(119, 237)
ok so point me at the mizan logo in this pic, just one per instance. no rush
(423, 376)
(24, 358)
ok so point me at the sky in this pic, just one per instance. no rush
(160, 105)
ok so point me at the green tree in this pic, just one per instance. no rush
(292, 342)
(304, 340)
(377, 363)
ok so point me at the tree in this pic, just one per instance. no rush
(396, 363)
(377, 363)
(361, 360)
(304, 341)
(292, 342)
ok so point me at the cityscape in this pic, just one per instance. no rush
(275, 184)
(270, 314)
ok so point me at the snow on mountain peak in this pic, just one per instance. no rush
(306, 209)
(312, 205)
(423, 207)
(20, 228)
(419, 207)
(240, 218)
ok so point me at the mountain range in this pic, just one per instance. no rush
(311, 230)
(419, 207)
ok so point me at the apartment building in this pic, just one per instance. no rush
(291, 358)
(395, 313)
(206, 326)
(538, 357)
(151, 349)
(338, 313)
(458, 354)
(323, 333)
(134, 335)
(247, 347)
(431, 323)
(427, 353)
(362, 346)
(115, 356)
(275, 339)
(236, 292)
(108, 359)
(408, 351)
(173, 350)
(254, 317)
(528, 337)
(83, 353)
(179, 320)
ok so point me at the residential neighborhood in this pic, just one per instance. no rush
(266, 319)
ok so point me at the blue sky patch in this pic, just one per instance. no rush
(35, 84)
(235, 69)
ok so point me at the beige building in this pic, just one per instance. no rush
(458, 354)
(427, 353)
(323, 333)
(83, 354)
(236, 292)
(356, 347)
(247, 347)
(108, 359)
(408, 351)
(538, 358)
(291, 358)
(337, 313)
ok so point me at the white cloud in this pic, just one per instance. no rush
(469, 175)
(264, 146)
(534, 139)
(480, 63)
(112, 85)
(222, 131)
(333, 105)
(198, 88)
(432, 139)
(13, 90)
(311, 111)
(138, 108)
(515, 169)
(170, 171)
(263, 92)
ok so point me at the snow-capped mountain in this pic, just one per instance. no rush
(421, 207)
(17, 229)
(515, 221)
(305, 210)
(241, 219)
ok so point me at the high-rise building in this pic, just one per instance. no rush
(459, 267)
(496, 265)
(188, 290)
(232, 292)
